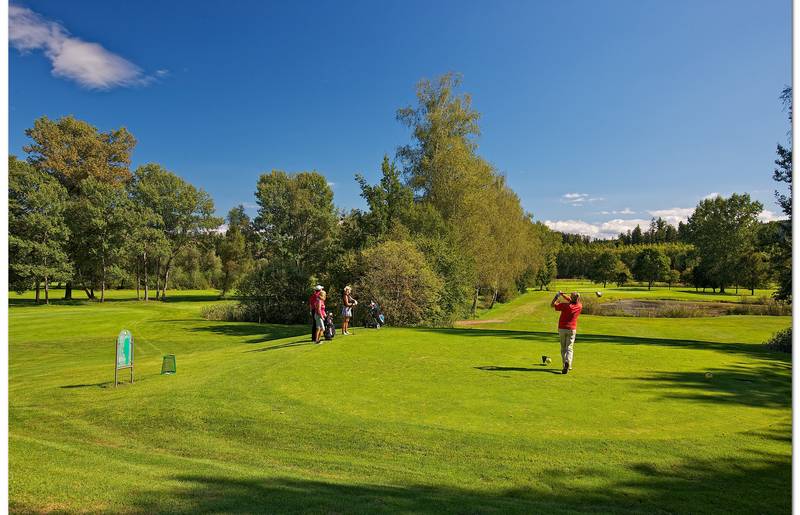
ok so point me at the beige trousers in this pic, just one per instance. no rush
(567, 337)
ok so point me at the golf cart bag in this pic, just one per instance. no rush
(374, 316)
(330, 328)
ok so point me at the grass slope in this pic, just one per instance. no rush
(397, 420)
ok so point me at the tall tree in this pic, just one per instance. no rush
(232, 249)
(605, 267)
(782, 258)
(390, 201)
(102, 218)
(723, 230)
(651, 266)
(186, 213)
(296, 219)
(72, 150)
(37, 231)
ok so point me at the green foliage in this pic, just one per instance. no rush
(781, 341)
(397, 276)
(232, 249)
(723, 230)
(651, 266)
(72, 150)
(275, 291)
(296, 220)
(37, 230)
(605, 267)
(101, 219)
(184, 213)
(390, 201)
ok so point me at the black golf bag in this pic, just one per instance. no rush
(374, 316)
(330, 328)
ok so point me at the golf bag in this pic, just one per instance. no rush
(330, 328)
(374, 316)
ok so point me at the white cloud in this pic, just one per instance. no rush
(602, 230)
(711, 195)
(88, 64)
(769, 216)
(573, 227)
(673, 215)
(331, 184)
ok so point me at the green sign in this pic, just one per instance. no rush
(124, 349)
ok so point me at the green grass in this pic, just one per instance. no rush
(397, 420)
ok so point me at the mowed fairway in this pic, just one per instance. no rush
(457, 420)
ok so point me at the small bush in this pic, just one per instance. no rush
(781, 341)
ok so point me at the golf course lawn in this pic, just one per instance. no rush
(461, 420)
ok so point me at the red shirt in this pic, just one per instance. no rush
(312, 300)
(569, 315)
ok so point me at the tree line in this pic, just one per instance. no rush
(442, 229)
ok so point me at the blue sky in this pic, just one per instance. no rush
(600, 114)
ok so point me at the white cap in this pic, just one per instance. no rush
(319, 287)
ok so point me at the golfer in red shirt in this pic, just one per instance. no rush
(567, 325)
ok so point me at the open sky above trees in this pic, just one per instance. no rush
(599, 116)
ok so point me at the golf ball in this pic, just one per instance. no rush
(709, 375)
(548, 361)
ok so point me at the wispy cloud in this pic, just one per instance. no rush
(88, 64)
(578, 199)
(711, 195)
(626, 211)
(331, 184)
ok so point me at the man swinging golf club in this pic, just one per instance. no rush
(567, 324)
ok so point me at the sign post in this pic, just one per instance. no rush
(124, 354)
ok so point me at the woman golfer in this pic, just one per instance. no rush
(347, 309)
(567, 325)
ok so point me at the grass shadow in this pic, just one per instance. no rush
(260, 333)
(493, 368)
(749, 385)
(761, 482)
(287, 345)
(104, 384)
(744, 349)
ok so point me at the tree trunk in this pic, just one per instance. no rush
(146, 286)
(752, 291)
(68, 291)
(103, 290)
(46, 291)
(158, 277)
(721, 290)
(475, 300)
(649, 284)
(494, 298)
(37, 291)
(138, 281)
(737, 289)
(89, 293)
(166, 279)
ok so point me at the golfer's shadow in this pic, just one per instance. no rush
(493, 368)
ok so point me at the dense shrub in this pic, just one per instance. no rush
(781, 341)
(275, 292)
(397, 276)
